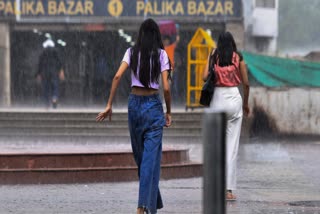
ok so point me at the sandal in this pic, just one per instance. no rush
(230, 196)
(142, 210)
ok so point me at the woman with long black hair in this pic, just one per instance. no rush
(147, 61)
(230, 71)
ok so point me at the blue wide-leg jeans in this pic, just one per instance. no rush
(146, 121)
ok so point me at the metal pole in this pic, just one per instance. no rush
(214, 129)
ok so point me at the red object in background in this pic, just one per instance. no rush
(167, 27)
(94, 27)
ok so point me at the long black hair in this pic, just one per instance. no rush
(224, 52)
(147, 49)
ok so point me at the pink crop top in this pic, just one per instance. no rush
(228, 76)
(164, 63)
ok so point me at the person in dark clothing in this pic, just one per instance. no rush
(100, 78)
(50, 72)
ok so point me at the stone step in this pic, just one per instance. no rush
(93, 175)
(56, 131)
(83, 124)
(77, 159)
(89, 131)
(7, 123)
(85, 139)
(84, 116)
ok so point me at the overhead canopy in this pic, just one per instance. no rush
(280, 72)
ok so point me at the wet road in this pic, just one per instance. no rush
(273, 176)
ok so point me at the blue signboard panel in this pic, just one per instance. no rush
(121, 8)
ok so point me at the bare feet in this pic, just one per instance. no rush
(140, 210)
(230, 196)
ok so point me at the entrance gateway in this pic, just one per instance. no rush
(83, 30)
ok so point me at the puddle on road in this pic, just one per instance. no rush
(305, 204)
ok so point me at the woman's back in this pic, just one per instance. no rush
(229, 75)
(135, 75)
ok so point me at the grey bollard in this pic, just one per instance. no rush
(214, 163)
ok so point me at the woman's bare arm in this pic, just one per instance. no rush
(167, 96)
(246, 87)
(115, 83)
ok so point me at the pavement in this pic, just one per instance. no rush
(275, 176)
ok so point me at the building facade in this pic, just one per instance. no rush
(85, 30)
(261, 26)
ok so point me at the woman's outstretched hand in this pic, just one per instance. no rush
(102, 115)
(246, 110)
(168, 120)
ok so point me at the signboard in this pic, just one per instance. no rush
(111, 9)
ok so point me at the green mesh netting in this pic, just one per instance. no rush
(279, 72)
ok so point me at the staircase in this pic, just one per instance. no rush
(84, 167)
(70, 147)
(81, 125)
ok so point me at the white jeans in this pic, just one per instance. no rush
(229, 100)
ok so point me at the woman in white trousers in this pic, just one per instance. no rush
(230, 72)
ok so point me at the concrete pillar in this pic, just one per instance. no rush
(5, 80)
(214, 163)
